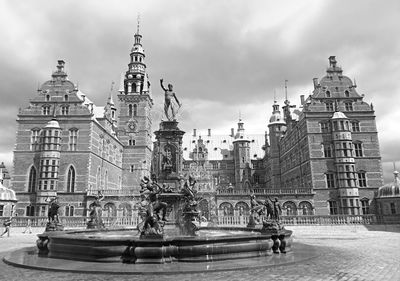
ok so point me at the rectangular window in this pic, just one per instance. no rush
(329, 106)
(325, 127)
(132, 142)
(362, 179)
(327, 150)
(64, 110)
(132, 168)
(358, 149)
(46, 110)
(330, 180)
(215, 165)
(348, 106)
(34, 140)
(365, 207)
(333, 208)
(393, 208)
(1, 210)
(73, 137)
(355, 126)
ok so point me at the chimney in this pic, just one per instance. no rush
(302, 99)
(232, 132)
(194, 132)
(315, 81)
(209, 132)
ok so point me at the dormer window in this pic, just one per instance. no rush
(328, 94)
(346, 94)
(64, 110)
(47, 97)
(66, 98)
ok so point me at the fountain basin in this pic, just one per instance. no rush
(124, 245)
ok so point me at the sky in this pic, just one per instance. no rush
(225, 58)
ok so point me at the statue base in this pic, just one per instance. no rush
(54, 226)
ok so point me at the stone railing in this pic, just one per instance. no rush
(305, 220)
(112, 192)
(264, 191)
(110, 222)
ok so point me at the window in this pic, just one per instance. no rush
(330, 180)
(64, 110)
(256, 178)
(329, 106)
(130, 110)
(32, 180)
(327, 150)
(365, 206)
(46, 110)
(47, 97)
(132, 142)
(1, 210)
(333, 208)
(355, 126)
(348, 106)
(392, 208)
(35, 139)
(132, 168)
(325, 127)
(69, 211)
(346, 94)
(358, 149)
(135, 110)
(30, 211)
(106, 180)
(362, 179)
(71, 179)
(66, 98)
(215, 165)
(73, 137)
(328, 94)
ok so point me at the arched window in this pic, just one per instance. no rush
(69, 211)
(66, 98)
(135, 110)
(30, 211)
(346, 94)
(328, 94)
(32, 180)
(290, 207)
(306, 208)
(130, 110)
(71, 180)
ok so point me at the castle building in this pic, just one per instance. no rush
(322, 158)
(70, 148)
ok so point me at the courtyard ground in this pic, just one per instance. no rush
(345, 253)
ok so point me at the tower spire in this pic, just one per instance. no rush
(138, 23)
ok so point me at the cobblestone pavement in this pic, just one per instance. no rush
(345, 254)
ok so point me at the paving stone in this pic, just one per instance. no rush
(361, 255)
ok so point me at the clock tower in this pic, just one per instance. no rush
(134, 120)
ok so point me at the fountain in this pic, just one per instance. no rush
(180, 245)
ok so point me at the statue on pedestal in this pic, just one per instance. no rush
(96, 211)
(169, 103)
(189, 210)
(53, 223)
(151, 208)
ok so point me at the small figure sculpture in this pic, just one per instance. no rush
(95, 214)
(269, 208)
(277, 209)
(169, 103)
(151, 207)
(189, 212)
(53, 223)
(256, 209)
(167, 160)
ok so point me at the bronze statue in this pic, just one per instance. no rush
(96, 212)
(277, 209)
(52, 214)
(169, 103)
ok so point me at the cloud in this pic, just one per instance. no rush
(222, 57)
